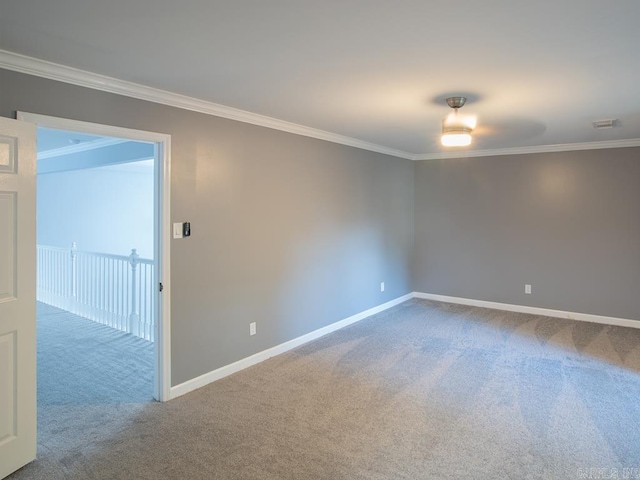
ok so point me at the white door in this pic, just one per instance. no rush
(17, 295)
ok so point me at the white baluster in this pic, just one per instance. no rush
(134, 316)
(73, 278)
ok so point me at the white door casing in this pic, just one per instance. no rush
(162, 232)
(17, 295)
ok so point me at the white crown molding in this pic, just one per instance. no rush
(80, 147)
(565, 147)
(41, 68)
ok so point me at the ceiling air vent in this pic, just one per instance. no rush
(605, 124)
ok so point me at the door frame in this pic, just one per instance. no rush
(162, 230)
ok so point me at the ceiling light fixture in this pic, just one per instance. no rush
(456, 130)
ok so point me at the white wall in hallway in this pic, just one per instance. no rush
(106, 209)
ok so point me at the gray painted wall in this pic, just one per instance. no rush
(566, 223)
(288, 231)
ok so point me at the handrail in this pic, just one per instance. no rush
(88, 252)
(115, 290)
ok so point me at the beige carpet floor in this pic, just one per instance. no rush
(421, 391)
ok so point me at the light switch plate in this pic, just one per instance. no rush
(177, 230)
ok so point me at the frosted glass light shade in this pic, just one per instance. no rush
(456, 139)
(456, 130)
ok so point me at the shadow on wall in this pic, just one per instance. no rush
(338, 274)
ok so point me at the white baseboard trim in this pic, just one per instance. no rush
(584, 317)
(227, 370)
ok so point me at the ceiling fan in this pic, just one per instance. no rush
(456, 128)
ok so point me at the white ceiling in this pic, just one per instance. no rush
(536, 73)
(50, 139)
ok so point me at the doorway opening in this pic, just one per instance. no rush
(103, 261)
(95, 263)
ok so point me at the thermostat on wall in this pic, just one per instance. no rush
(181, 230)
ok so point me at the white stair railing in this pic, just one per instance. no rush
(114, 290)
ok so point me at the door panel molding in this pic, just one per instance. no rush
(8, 246)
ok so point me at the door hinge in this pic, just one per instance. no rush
(161, 287)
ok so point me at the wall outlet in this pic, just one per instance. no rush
(252, 328)
(382, 286)
(527, 289)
